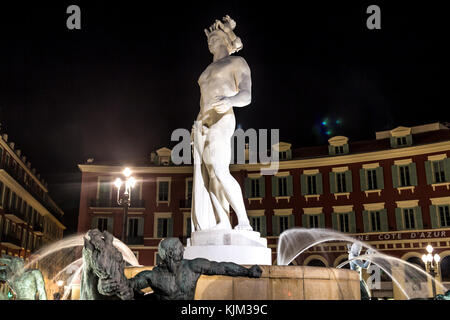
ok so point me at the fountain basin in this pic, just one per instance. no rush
(278, 283)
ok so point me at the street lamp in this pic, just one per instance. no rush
(432, 265)
(124, 199)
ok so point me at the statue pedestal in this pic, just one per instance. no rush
(238, 246)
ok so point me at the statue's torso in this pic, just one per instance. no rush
(175, 286)
(217, 80)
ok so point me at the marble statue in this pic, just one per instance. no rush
(24, 284)
(224, 84)
(102, 263)
(358, 265)
(174, 278)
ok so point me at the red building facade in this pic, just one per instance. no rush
(393, 192)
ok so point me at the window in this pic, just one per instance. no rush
(164, 227)
(102, 224)
(188, 227)
(444, 215)
(255, 188)
(282, 186)
(341, 184)
(163, 191)
(284, 223)
(104, 192)
(405, 179)
(401, 141)
(283, 155)
(313, 220)
(375, 220)
(1, 192)
(256, 223)
(189, 189)
(372, 179)
(6, 198)
(13, 200)
(339, 150)
(409, 219)
(133, 227)
(439, 171)
(312, 185)
(344, 225)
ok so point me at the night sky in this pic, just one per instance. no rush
(117, 88)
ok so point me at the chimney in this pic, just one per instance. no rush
(11, 145)
(28, 164)
(18, 152)
(5, 137)
(90, 160)
(39, 176)
(34, 171)
(24, 159)
(153, 157)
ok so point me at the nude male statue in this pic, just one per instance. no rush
(25, 284)
(224, 84)
(176, 278)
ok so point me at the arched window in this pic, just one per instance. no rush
(445, 269)
(316, 263)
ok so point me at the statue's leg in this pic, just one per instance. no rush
(218, 204)
(217, 155)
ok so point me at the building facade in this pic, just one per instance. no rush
(392, 192)
(29, 218)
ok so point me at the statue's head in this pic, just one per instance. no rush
(355, 249)
(221, 34)
(171, 250)
(13, 266)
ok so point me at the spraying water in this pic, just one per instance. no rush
(66, 254)
(295, 241)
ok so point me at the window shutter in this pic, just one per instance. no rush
(274, 186)
(352, 222)
(334, 220)
(366, 221)
(362, 179)
(291, 221)
(429, 172)
(140, 227)
(349, 181)
(262, 186)
(332, 182)
(418, 217)
(331, 151)
(346, 149)
(275, 225)
(263, 226)
(289, 154)
(94, 223)
(304, 184)
(170, 227)
(399, 218)
(160, 228)
(409, 140)
(321, 220)
(413, 173)
(447, 169)
(393, 142)
(434, 217)
(394, 170)
(110, 225)
(384, 220)
(319, 183)
(380, 177)
(305, 221)
(289, 186)
(248, 187)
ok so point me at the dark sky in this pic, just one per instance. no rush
(118, 87)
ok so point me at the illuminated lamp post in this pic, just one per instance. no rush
(432, 265)
(124, 200)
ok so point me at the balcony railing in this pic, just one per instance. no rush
(29, 189)
(185, 203)
(16, 212)
(11, 238)
(135, 240)
(107, 203)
